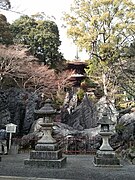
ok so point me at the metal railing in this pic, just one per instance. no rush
(69, 144)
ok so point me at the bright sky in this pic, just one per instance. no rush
(51, 8)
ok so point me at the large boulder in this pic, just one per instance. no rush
(127, 119)
(105, 104)
(127, 123)
(82, 117)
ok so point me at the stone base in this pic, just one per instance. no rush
(46, 155)
(50, 159)
(106, 158)
(46, 163)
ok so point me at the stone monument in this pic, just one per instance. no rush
(46, 151)
(105, 156)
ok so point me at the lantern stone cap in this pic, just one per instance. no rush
(46, 109)
(105, 120)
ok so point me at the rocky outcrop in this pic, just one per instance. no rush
(82, 117)
(87, 114)
(105, 104)
(31, 105)
(4, 111)
(127, 119)
(17, 106)
(126, 126)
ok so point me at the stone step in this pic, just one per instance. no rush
(46, 163)
(25, 178)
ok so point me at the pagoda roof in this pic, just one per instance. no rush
(77, 63)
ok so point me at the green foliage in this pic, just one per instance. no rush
(42, 36)
(132, 149)
(102, 28)
(80, 94)
(129, 51)
(126, 70)
(88, 83)
(5, 33)
(119, 128)
(105, 29)
(123, 105)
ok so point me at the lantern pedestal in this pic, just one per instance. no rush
(47, 142)
(46, 151)
(105, 144)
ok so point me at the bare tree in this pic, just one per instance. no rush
(18, 65)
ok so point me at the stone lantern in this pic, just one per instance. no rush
(105, 132)
(105, 155)
(47, 142)
(46, 151)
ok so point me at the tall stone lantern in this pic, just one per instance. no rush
(46, 151)
(106, 156)
(47, 142)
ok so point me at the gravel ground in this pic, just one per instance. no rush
(79, 167)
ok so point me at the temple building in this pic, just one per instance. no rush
(79, 72)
